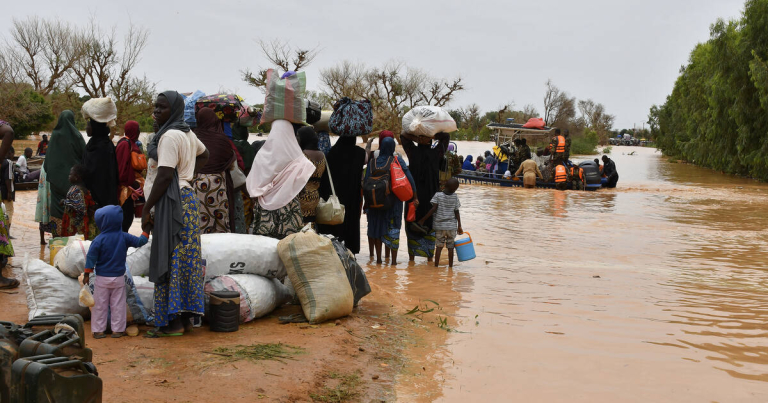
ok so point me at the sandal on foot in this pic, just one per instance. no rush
(155, 333)
(99, 335)
(12, 283)
(117, 335)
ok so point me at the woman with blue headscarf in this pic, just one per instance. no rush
(468, 165)
(384, 225)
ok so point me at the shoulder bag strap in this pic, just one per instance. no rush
(330, 178)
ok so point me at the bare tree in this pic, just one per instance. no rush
(559, 107)
(529, 112)
(596, 118)
(282, 55)
(551, 97)
(392, 89)
(106, 66)
(44, 51)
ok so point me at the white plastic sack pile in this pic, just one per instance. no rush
(49, 291)
(428, 121)
(70, 260)
(241, 254)
(317, 275)
(137, 260)
(258, 295)
(224, 254)
(146, 291)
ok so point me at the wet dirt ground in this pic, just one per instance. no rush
(356, 357)
(654, 291)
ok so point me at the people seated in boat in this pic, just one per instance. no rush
(23, 169)
(468, 165)
(530, 172)
(42, 146)
(609, 170)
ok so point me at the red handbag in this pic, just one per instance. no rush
(401, 187)
(411, 217)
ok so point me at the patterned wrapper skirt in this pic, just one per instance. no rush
(278, 223)
(6, 248)
(211, 190)
(420, 245)
(183, 292)
(395, 222)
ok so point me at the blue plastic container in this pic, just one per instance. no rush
(465, 249)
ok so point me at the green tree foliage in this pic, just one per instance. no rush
(26, 110)
(717, 114)
(585, 144)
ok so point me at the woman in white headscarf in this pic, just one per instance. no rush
(280, 171)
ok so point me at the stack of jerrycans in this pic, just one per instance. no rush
(46, 360)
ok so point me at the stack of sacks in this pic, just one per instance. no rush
(249, 264)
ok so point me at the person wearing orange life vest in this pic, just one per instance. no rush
(577, 178)
(561, 176)
(557, 147)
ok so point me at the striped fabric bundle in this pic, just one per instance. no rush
(285, 98)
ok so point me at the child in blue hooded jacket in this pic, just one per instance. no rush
(106, 257)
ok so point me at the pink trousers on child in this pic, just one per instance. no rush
(108, 292)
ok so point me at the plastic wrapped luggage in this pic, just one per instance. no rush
(428, 121)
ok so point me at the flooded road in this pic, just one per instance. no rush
(654, 291)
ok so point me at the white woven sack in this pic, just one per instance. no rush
(241, 254)
(70, 260)
(49, 291)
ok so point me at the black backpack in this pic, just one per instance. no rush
(377, 191)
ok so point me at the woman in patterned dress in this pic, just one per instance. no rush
(213, 183)
(171, 212)
(310, 195)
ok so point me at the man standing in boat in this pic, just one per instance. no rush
(567, 136)
(557, 148)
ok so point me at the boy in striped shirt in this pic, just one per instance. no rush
(447, 221)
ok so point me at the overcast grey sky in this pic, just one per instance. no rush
(624, 54)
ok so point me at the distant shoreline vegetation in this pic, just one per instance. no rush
(717, 113)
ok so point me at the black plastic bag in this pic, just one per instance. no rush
(355, 273)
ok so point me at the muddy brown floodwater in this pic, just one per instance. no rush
(654, 291)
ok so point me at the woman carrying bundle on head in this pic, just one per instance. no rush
(384, 223)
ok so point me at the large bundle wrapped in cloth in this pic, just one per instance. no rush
(351, 118)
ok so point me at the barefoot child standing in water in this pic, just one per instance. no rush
(447, 221)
